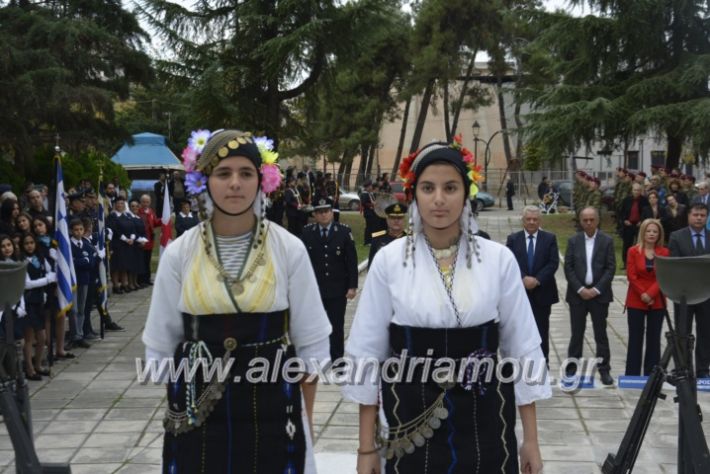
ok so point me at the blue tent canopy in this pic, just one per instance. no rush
(148, 151)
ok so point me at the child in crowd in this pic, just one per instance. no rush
(93, 238)
(39, 276)
(83, 256)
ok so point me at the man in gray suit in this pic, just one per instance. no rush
(687, 242)
(590, 264)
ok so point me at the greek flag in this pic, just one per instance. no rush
(66, 277)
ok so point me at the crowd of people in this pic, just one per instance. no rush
(49, 333)
(664, 214)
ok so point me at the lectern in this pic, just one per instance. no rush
(684, 280)
(14, 394)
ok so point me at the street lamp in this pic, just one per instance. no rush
(487, 156)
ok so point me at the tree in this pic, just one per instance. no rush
(343, 115)
(243, 62)
(629, 68)
(62, 65)
(447, 35)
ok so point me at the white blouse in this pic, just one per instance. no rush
(415, 296)
(295, 288)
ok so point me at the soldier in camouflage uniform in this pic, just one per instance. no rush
(578, 191)
(594, 195)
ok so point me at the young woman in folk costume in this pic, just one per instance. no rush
(444, 293)
(237, 287)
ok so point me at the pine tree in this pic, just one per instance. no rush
(62, 65)
(629, 68)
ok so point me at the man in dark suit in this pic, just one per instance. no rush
(331, 248)
(538, 258)
(589, 268)
(687, 242)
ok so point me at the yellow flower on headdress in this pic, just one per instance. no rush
(268, 157)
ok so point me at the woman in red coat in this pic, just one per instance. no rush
(644, 300)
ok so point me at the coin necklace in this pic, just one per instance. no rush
(236, 284)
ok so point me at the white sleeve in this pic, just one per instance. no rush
(369, 335)
(38, 283)
(309, 321)
(364, 388)
(153, 361)
(315, 355)
(519, 337)
(534, 382)
(163, 327)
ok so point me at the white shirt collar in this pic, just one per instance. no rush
(586, 237)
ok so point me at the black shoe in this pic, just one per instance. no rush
(606, 378)
(91, 335)
(35, 377)
(113, 327)
(82, 343)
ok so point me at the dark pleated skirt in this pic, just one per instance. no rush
(479, 434)
(255, 427)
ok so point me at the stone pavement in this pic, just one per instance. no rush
(94, 413)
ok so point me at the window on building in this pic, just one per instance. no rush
(632, 160)
(658, 158)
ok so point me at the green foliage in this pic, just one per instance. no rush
(62, 64)
(87, 164)
(356, 92)
(240, 63)
(630, 69)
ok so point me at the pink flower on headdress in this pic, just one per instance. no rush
(189, 158)
(270, 177)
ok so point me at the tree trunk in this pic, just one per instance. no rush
(458, 105)
(675, 145)
(447, 125)
(519, 134)
(503, 120)
(421, 120)
(372, 156)
(364, 156)
(402, 133)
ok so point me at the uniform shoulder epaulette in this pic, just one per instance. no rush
(308, 226)
(379, 233)
(344, 225)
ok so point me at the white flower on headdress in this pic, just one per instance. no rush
(198, 140)
(264, 143)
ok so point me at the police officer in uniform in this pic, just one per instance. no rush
(332, 252)
(395, 229)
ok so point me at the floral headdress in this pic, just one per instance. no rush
(205, 149)
(463, 159)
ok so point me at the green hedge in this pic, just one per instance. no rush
(84, 165)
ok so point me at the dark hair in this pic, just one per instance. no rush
(44, 220)
(87, 222)
(6, 208)
(699, 206)
(652, 191)
(26, 216)
(75, 222)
